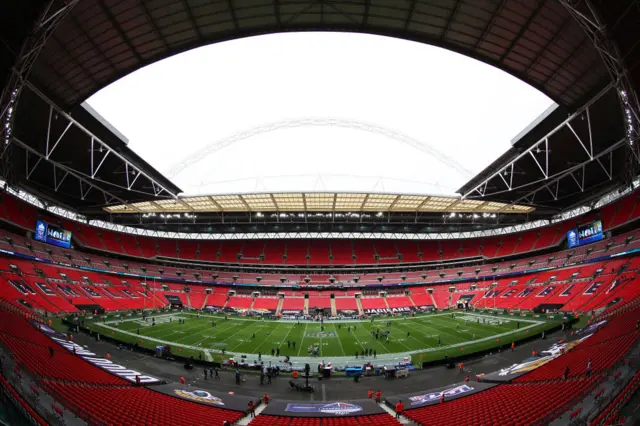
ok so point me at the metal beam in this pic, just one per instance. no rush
(538, 145)
(118, 28)
(232, 12)
(152, 22)
(54, 12)
(570, 171)
(412, 8)
(96, 140)
(29, 150)
(523, 28)
(586, 15)
(75, 173)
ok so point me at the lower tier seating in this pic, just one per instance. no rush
(505, 405)
(135, 406)
(372, 420)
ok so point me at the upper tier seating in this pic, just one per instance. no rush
(319, 252)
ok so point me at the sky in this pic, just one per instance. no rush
(319, 112)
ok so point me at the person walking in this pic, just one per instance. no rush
(370, 394)
(461, 367)
(378, 397)
(399, 409)
(237, 377)
(252, 409)
(205, 373)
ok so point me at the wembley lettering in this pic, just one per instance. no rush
(105, 364)
(593, 288)
(386, 310)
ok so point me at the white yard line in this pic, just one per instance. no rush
(338, 337)
(532, 324)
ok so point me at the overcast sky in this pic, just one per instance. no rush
(412, 118)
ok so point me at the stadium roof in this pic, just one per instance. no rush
(537, 41)
(319, 202)
(556, 46)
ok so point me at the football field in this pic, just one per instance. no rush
(426, 337)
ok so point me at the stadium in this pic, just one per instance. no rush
(319, 212)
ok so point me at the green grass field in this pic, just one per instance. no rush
(418, 336)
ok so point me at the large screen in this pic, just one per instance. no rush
(51, 234)
(585, 234)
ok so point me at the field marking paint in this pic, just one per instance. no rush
(304, 333)
(532, 324)
(335, 327)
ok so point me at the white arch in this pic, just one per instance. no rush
(199, 155)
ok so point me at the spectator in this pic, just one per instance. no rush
(589, 368)
(399, 409)
(51, 351)
(565, 375)
(461, 367)
(252, 409)
(513, 346)
(182, 379)
(441, 397)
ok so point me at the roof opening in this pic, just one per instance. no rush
(319, 112)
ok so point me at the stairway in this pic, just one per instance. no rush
(360, 310)
(334, 311)
(412, 302)
(279, 308)
(306, 307)
(385, 302)
(433, 299)
(204, 303)
(403, 420)
(252, 302)
(189, 301)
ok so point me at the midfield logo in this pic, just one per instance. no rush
(319, 334)
(435, 396)
(337, 408)
(199, 396)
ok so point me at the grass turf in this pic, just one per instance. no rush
(418, 335)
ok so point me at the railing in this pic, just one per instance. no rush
(634, 363)
(7, 367)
